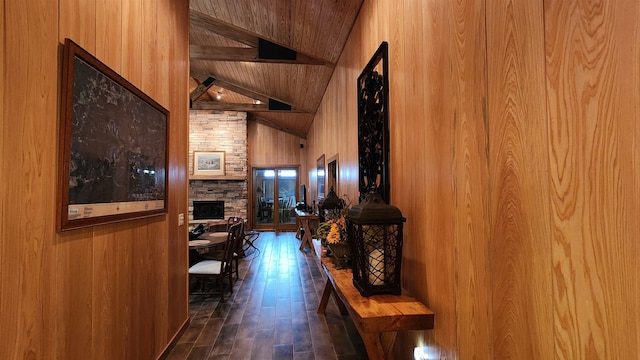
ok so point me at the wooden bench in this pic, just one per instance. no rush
(378, 317)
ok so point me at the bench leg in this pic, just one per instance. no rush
(378, 345)
(324, 301)
(328, 289)
(373, 344)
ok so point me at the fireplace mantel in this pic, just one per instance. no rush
(227, 178)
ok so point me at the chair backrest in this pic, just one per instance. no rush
(232, 220)
(234, 237)
(237, 248)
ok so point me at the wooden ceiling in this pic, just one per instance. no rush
(278, 52)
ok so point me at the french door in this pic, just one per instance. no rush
(275, 191)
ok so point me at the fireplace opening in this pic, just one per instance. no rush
(205, 210)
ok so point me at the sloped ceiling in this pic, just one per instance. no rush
(270, 58)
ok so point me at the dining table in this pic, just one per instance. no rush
(205, 243)
(208, 240)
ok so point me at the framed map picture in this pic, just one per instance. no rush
(113, 146)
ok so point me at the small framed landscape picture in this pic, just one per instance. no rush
(208, 163)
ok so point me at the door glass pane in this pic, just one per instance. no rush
(287, 185)
(265, 189)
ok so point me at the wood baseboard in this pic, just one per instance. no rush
(174, 340)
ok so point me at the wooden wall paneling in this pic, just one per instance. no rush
(132, 20)
(631, 141)
(107, 282)
(149, 257)
(74, 250)
(407, 102)
(72, 299)
(80, 29)
(4, 162)
(512, 273)
(113, 275)
(28, 162)
(407, 138)
(5, 281)
(591, 84)
(471, 179)
(150, 48)
(146, 288)
(518, 176)
(104, 286)
(439, 162)
(109, 42)
(268, 146)
(177, 305)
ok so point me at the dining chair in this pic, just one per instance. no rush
(221, 269)
(238, 250)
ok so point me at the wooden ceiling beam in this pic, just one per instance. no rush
(201, 89)
(244, 36)
(254, 95)
(222, 106)
(248, 92)
(242, 90)
(221, 53)
(222, 28)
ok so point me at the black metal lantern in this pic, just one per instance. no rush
(330, 207)
(375, 238)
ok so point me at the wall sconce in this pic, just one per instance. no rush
(219, 96)
(257, 102)
(421, 353)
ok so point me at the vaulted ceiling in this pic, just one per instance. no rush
(270, 58)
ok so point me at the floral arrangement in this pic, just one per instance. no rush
(334, 229)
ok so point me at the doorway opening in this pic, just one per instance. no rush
(275, 190)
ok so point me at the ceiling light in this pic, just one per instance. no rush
(257, 102)
(219, 96)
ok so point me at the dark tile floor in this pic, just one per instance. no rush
(271, 313)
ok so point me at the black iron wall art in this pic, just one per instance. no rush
(373, 125)
(113, 146)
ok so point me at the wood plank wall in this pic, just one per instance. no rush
(267, 146)
(115, 291)
(270, 147)
(514, 152)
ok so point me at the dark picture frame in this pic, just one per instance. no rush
(208, 163)
(113, 146)
(320, 176)
(373, 125)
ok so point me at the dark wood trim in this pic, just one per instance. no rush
(248, 54)
(222, 106)
(167, 350)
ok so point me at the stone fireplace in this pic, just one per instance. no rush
(219, 131)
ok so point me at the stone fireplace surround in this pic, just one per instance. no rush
(220, 131)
